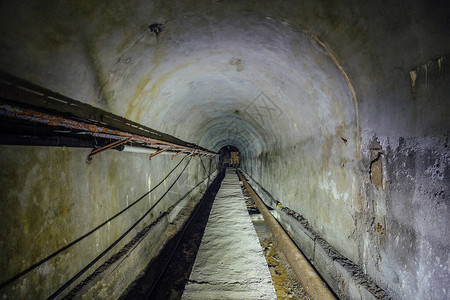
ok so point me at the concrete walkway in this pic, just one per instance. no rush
(230, 263)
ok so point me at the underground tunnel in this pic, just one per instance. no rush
(127, 125)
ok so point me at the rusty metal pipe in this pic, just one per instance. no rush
(311, 281)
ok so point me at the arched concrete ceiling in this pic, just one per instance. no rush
(250, 81)
(212, 77)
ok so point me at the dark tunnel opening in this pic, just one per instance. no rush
(229, 156)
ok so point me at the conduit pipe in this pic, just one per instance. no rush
(311, 281)
(144, 150)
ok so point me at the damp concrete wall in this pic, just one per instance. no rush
(340, 109)
(51, 197)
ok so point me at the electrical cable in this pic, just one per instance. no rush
(68, 283)
(145, 234)
(37, 264)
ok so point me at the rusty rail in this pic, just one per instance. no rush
(122, 137)
(311, 281)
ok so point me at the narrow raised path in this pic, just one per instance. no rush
(230, 263)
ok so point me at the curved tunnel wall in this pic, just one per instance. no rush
(304, 90)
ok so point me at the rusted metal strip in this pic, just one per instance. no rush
(107, 147)
(16, 112)
(193, 152)
(175, 155)
(159, 151)
(16, 89)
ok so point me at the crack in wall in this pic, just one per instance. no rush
(352, 90)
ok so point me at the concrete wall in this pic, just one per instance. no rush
(51, 197)
(397, 229)
(339, 109)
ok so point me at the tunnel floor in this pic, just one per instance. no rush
(230, 263)
(226, 252)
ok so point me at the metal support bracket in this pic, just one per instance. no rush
(107, 147)
(175, 155)
(159, 152)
